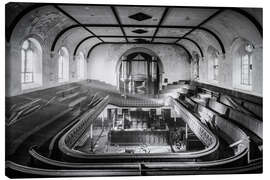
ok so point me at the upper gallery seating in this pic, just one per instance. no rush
(219, 125)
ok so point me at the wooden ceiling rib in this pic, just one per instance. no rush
(151, 24)
(130, 20)
(102, 15)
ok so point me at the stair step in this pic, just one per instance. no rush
(77, 101)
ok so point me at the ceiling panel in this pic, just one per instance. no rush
(172, 32)
(144, 15)
(136, 31)
(114, 39)
(91, 14)
(141, 40)
(187, 16)
(165, 40)
(115, 31)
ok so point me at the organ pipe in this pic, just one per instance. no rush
(125, 68)
(154, 68)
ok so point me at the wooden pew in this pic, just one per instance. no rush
(253, 110)
(64, 92)
(247, 121)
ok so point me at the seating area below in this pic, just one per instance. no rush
(202, 124)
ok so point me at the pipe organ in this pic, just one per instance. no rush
(139, 74)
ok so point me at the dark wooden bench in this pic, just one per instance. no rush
(218, 107)
(249, 122)
(213, 94)
(64, 92)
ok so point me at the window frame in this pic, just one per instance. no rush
(215, 68)
(248, 68)
(25, 65)
(60, 58)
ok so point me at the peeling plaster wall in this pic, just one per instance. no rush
(103, 60)
(44, 31)
(46, 22)
(227, 71)
(229, 31)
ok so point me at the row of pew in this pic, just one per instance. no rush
(212, 108)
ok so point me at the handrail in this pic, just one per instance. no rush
(146, 169)
(68, 140)
(202, 132)
(209, 140)
(33, 153)
(72, 172)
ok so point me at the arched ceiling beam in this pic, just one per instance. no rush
(16, 20)
(199, 25)
(162, 37)
(216, 37)
(183, 47)
(250, 17)
(78, 45)
(196, 44)
(11, 28)
(75, 20)
(145, 26)
(60, 34)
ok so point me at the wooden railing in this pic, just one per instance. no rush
(67, 142)
(202, 132)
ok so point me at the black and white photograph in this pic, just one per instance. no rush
(132, 90)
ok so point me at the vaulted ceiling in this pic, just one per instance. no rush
(192, 28)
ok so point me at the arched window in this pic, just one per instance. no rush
(81, 66)
(242, 64)
(31, 64)
(213, 64)
(63, 65)
(215, 69)
(246, 69)
(196, 59)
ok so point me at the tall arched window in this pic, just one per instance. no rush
(63, 65)
(31, 64)
(196, 59)
(246, 69)
(242, 52)
(215, 69)
(81, 66)
(213, 64)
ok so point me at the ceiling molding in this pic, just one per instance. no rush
(162, 37)
(160, 22)
(142, 26)
(119, 22)
(10, 29)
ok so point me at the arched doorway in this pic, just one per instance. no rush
(139, 73)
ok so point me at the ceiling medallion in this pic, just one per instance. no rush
(140, 16)
(140, 31)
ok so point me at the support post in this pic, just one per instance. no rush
(186, 131)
